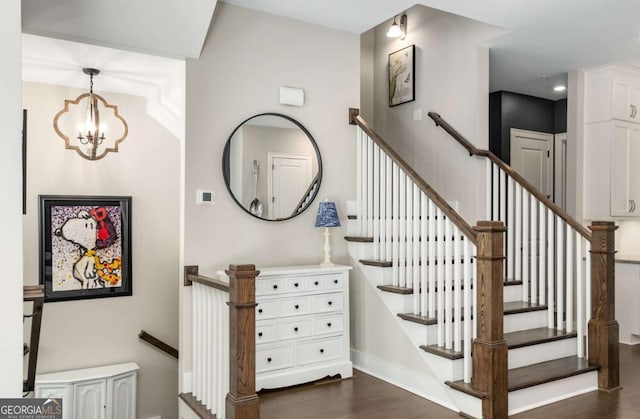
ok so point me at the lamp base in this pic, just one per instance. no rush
(327, 249)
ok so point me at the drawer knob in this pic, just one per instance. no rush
(275, 286)
(259, 334)
(296, 285)
(335, 281)
(328, 324)
(259, 310)
(269, 359)
(330, 302)
(321, 351)
(316, 283)
(297, 306)
(295, 329)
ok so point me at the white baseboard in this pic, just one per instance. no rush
(401, 377)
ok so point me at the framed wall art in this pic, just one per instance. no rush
(85, 246)
(402, 76)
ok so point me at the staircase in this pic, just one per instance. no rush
(501, 312)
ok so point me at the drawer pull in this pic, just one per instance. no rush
(328, 324)
(321, 351)
(269, 359)
(275, 286)
(259, 310)
(296, 285)
(296, 306)
(295, 329)
(330, 302)
(316, 283)
(335, 281)
(259, 334)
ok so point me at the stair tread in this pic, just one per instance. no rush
(395, 290)
(389, 264)
(358, 239)
(534, 336)
(535, 374)
(515, 307)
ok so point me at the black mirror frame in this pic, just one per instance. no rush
(226, 169)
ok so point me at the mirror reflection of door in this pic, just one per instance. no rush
(289, 179)
(531, 157)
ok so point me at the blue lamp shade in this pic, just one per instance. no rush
(327, 215)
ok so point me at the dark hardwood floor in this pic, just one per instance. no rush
(366, 397)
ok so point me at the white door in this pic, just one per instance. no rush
(289, 178)
(560, 171)
(90, 399)
(531, 158)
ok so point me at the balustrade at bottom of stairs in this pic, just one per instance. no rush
(543, 364)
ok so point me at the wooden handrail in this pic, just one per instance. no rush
(466, 229)
(191, 275)
(34, 294)
(163, 346)
(474, 151)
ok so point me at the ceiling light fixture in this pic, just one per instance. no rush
(398, 31)
(83, 115)
(560, 88)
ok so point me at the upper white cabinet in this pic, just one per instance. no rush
(611, 142)
(612, 92)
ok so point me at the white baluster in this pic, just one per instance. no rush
(518, 234)
(416, 250)
(526, 261)
(560, 273)
(448, 287)
(569, 278)
(587, 296)
(370, 145)
(395, 268)
(510, 254)
(503, 217)
(542, 251)
(208, 350)
(382, 221)
(579, 296)
(409, 232)
(551, 300)
(440, 274)
(468, 321)
(495, 177)
(388, 201)
(424, 257)
(376, 202)
(533, 253)
(359, 180)
(197, 334)
(432, 258)
(489, 186)
(474, 282)
(402, 240)
(457, 293)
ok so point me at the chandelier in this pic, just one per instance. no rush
(83, 116)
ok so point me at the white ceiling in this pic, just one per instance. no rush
(546, 38)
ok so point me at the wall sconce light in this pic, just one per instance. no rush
(398, 31)
(83, 115)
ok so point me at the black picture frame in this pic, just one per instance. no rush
(402, 81)
(85, 246)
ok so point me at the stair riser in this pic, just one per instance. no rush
(530, 398)
(542, 352)
(445, 369)
(512, 293)
(524, 321)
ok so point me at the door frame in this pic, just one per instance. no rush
(560, 170)
(270, 166)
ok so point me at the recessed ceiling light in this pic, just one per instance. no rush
(559, 88)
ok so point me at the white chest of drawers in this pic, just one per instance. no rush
(302, 324)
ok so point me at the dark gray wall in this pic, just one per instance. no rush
(512, 110)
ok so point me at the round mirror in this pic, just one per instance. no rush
(272, 166)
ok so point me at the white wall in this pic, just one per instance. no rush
(78, 334)
(452, 79)
(11, 198)
(247, 56)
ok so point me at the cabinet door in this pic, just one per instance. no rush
(57, 391)
(634, 170)
(89, 399)
(625, 172)
(121, 400)
(626, 101)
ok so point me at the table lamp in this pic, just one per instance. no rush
(327, 217)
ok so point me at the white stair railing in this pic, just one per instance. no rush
(210, 348)
(545, 248)
(430, 247)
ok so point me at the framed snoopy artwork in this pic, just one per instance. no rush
(85, 246)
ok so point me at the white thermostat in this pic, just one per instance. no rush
(205, 197)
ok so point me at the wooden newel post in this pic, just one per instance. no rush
(490, 348)
(242, 401)
(603, 327)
